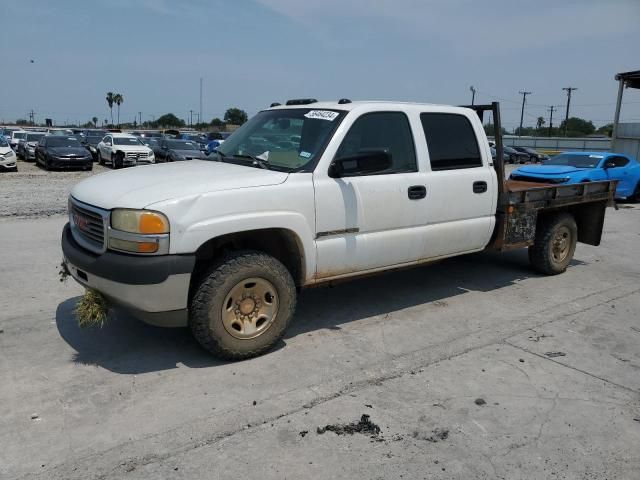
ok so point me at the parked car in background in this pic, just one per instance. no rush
(91, 139)
(214, 140)
(511, 155)
(7, 131)
(197, 138)
(59, 131)
(121, 149)
(27, 147)
(8, 158)
(16, 136)
(59, 151)
(580, 167)
(534, 155)
(154, 144)
(179, 150)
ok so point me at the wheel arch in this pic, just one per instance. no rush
(281, 243)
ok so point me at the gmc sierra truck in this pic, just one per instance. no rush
(307, 193)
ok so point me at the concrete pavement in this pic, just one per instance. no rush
(555, 359)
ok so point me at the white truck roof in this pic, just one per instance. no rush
(371, 105)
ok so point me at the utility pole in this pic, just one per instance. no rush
(190, 118)
(566, 117)
(140, 118)
(200, 114)
(473, 94)
(32, 116)
(551, 108)
(524, 98)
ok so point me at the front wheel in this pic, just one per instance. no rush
(555, 244)
(243, 306)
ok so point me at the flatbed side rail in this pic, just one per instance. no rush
(517, 218)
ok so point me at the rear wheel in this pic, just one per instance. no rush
(555, 244)
(635, 197)
(243, 306)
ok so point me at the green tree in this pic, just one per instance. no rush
(110, 103)
(118, 99)
(216, 122)
(235, 116)
(95, 122)
(22, 121)
(577, 127)
(606, 129)
(490, 130)
(540, 122)
(169, 120)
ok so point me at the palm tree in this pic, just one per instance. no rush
(540, 122)
(119, 100)
(110, 103)
(95, 121)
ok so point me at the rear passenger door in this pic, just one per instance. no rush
(462, 188)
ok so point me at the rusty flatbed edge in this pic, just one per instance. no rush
(519, 185)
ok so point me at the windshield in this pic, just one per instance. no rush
(289, 140)
(126, 141)
(579, 161)
(3, 142)
(34, 137)
(19, 135)
(150, 141)
(181, 145)
(60, 141)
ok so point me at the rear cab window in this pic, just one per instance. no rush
(451, 141)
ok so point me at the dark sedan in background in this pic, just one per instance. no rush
(178, 150)
(154, 144)
(27, 147)
(511, 155)
(58, 151)
(91, 139)
(534, 155)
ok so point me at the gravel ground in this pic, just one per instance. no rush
(34, 192)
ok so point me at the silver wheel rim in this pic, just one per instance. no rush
(561, 244)
(250, 308)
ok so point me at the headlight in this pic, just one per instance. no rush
(139, 231)
(92, 149)
(9, 154)
(139, 221)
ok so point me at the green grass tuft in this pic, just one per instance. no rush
(91, 310)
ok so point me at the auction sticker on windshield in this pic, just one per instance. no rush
(322, 115)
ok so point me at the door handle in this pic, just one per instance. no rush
(479, 187)
(416, 192)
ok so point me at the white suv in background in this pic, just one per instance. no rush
(122, 149)
(16, 136)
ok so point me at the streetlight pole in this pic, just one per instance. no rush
(566, 117)
(524, 98)
(473, 94)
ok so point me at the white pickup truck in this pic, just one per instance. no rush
(306, 193)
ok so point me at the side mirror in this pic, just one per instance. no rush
(365, 162)
(609, 164)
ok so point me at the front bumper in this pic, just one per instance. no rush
(70, 162)
(8, 163)
(154, 289)
(29, 155)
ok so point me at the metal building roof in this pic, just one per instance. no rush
(631, 79)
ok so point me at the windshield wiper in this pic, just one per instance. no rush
(260, 162)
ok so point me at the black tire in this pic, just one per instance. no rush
(216, 287)
(117, 160)
(46, 164)
(635, 196)
(555, 244)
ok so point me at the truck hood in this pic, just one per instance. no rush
(139, 187)
(549, 170)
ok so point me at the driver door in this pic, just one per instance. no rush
(365, 222)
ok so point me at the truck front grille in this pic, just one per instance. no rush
(88, 225)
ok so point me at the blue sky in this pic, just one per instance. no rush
(253, 52)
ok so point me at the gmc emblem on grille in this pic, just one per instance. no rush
(80, 222)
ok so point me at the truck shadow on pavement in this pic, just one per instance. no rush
(128, 346)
